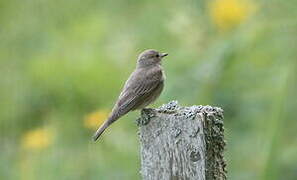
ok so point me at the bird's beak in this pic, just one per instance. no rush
(163, 55)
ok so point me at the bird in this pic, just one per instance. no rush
(142, 88)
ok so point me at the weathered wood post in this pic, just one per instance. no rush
(182, 143)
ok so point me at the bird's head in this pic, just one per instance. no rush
(150, 57)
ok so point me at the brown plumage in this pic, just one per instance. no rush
(142, 88)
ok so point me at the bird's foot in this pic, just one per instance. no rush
(146, 115)
(148, 112)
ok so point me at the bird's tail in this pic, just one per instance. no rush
(102, 128)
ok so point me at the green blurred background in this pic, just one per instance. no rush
(63, 63)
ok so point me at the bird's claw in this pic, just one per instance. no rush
(146, 115)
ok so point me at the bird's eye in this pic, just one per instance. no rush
(157, 55)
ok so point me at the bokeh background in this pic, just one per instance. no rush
(63, 63)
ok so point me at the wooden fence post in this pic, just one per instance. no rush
(182, 143)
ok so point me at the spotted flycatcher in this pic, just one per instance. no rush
(143, 87)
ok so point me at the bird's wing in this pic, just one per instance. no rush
(137, 87)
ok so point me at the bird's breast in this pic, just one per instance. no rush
(163, 75)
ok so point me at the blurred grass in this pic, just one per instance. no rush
(62, 62)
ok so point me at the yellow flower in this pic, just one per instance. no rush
(37, 139)
(95, 119)
(227, 14)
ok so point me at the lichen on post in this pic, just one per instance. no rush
(182, 143)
